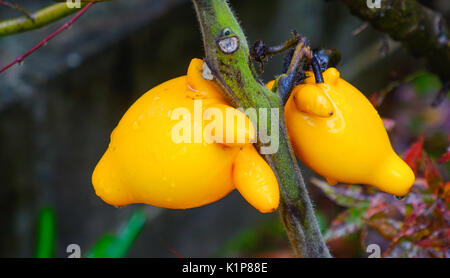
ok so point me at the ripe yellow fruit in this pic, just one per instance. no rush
(144, 164)
(337, 132)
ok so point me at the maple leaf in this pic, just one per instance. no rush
(414, 154)
(386, 227)
(417, 226)
(445, 158)
(433, 178)
(347, 223)
(343, 195)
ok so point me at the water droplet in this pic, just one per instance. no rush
(137, 123)
(229, 45)
(206, 73)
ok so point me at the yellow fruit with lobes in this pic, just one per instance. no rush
(337, 132)
(160, 153)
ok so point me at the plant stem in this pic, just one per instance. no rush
(17, 7)
(421, 30)
(48, 38)
(40, 18)
(234, 72)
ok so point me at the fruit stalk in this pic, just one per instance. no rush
(233, 70)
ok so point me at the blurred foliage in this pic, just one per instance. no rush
(108, 246)
(117, 246)
(266, 236)
(414, 227)
(418, 226)
(46, 233)
(267, 239)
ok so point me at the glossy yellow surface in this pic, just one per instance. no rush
(143, 164)
(336, 131)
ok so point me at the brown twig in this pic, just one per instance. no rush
(48, 38)
(16, 6)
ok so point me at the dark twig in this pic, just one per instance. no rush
(16, 6)
(421, 30)
(441, 94)
(261, 52)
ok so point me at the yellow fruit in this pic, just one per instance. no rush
(145, 164)
(337, 133)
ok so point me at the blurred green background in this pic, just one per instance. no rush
(58, 109)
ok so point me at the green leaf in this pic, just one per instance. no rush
(424, 82)
(117, 246)
(264, 237)
(100, 249)
(46, 233)
(386, 227)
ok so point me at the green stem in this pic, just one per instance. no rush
(41, 18)
(234, 72)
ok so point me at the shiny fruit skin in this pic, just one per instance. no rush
(350, 145)
(143, 164)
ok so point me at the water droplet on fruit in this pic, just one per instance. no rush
(137, 124)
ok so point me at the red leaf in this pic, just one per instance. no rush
(414, 154)
(344, 195)
(446, 193)
(433, 177)
(386, 227)
(346, 223)
(374, 99)
(438, 240)
(445, 158)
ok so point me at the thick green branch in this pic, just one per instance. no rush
(40, 18)
(423, 31)
(227, 55)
